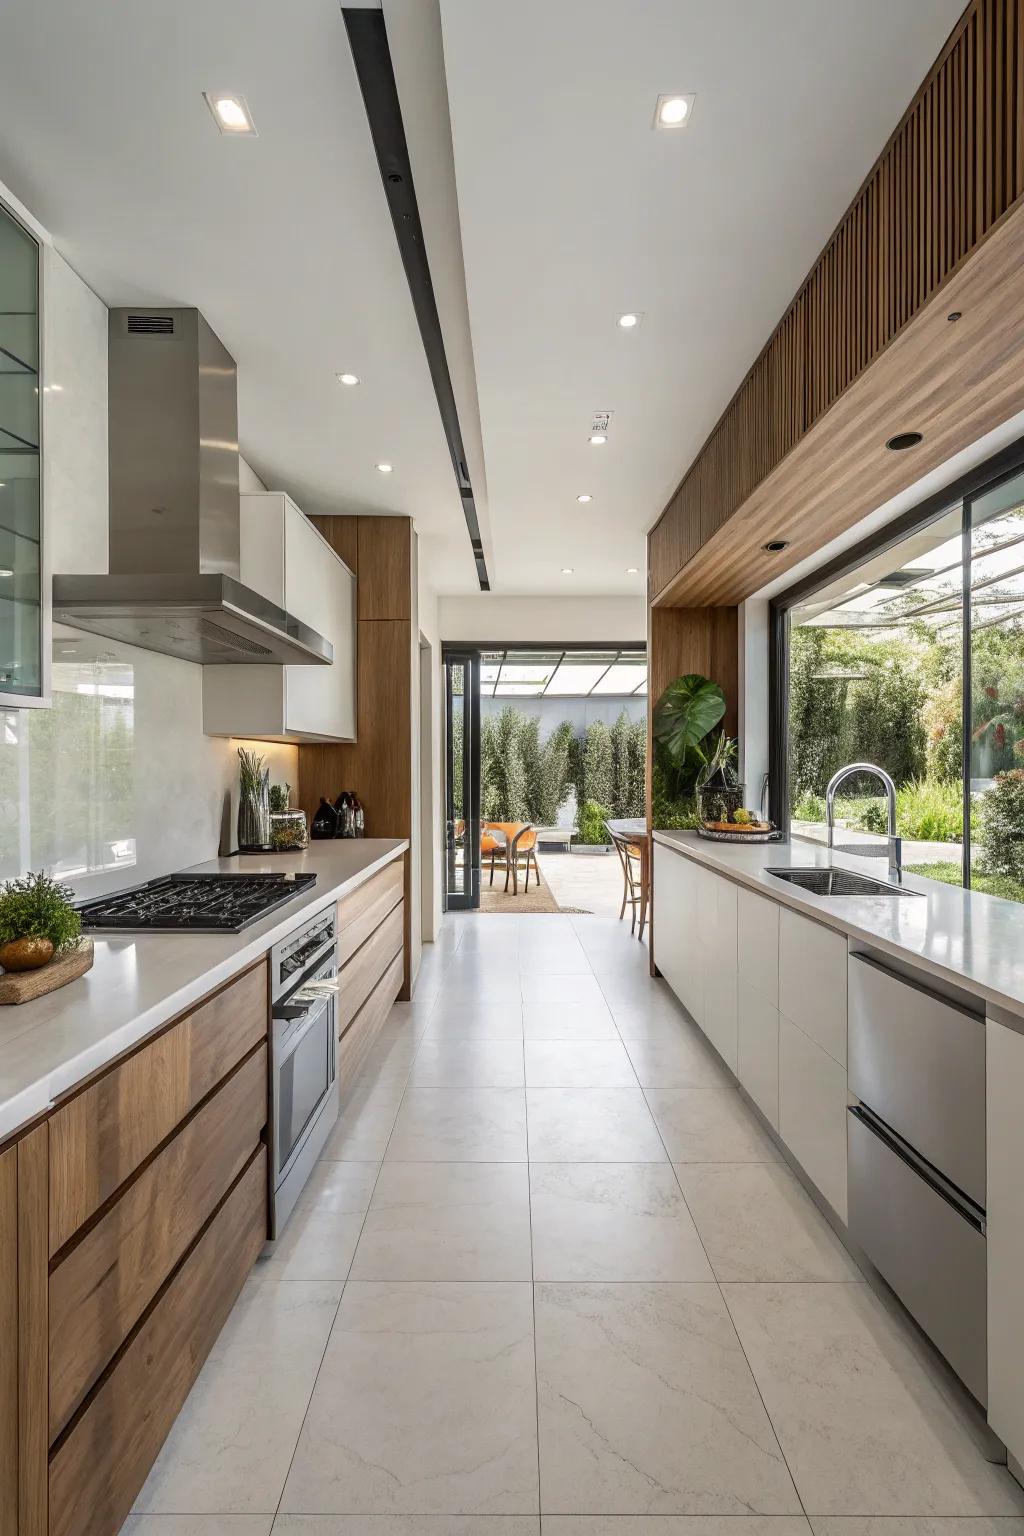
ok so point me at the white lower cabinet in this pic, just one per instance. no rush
(758, 1051)
(812, 1111)
(758, 944)
(1005, 1218)
(812, 980)
(717, 928)
(677, 948)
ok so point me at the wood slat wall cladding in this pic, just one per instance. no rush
(952, 169)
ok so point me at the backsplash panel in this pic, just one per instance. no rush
(117, 783)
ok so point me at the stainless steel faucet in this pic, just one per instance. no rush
(894, 847)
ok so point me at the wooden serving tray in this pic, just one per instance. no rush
(23, 986)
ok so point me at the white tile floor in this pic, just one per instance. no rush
(552, 1274)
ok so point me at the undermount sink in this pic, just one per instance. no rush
(838, 882)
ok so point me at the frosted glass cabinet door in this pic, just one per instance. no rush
(23, 676)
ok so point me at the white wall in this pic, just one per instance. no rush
(175, 795)
(431, 830)
(555, 621)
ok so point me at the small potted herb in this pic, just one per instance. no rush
(37, 921)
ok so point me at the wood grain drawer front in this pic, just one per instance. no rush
(367, 907)
(99, 1138)
(366, 1026)
(97, 1470)
(105, 1283)
(362, 973)
(8, 1335)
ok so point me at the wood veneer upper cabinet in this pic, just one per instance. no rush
(904, 256)
(386, 566)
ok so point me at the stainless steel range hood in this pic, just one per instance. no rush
(174, 509)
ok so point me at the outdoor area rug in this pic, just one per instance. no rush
(494, 898)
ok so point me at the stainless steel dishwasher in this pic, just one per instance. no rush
(917, 1156)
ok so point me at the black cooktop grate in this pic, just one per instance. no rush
(195, 903)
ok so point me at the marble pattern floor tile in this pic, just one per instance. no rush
(588, 1125)
(231, 1446)
(578, 1064)
(647, 1406)
(757, 1223)
(408, 1525)
(680, 1525)
(426, 1404)
(709, 1125)
(680, 1060)
(909, 1525)
(447, 1221)
(612, 1221)
(478, 1125)
(863, 1425)
(316, 1244)
(486, 1018)
(364, 1129)
(341, 1186)
(197, 1525)
(450, 1063)
(568, 1021)
(557, 988)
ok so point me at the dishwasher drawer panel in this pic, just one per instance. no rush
(933, 1256)
(918, 1062)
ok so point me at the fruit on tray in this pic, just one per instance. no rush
(738, 826)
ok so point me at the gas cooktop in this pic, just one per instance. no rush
(194, 903)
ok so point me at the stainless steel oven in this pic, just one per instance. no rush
(304, 1081)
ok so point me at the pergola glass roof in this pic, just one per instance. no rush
(576, 674)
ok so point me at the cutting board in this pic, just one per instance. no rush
(23, 986)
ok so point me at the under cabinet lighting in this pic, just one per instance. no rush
(385, 469)
(230, 113)
(775, 546)
(351, 379)
(673, 110)
(584, 497)
(904, 440)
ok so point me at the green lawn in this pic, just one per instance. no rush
(951, 874)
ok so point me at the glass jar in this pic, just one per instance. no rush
(288, 830)
(718, 802)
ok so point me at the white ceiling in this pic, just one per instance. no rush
(571, 211)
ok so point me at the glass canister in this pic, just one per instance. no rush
(288, 830)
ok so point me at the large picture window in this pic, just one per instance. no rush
(909, 654)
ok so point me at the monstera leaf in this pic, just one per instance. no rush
(687, 711)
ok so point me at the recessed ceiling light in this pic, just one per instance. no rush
(385, 469)
(347, 378)
(775, 546)
(566, 570)
(230, 113)
(632, 570)
(673, 110)
(628, 321)
(597, 438)
(584, 497)
(904, 440)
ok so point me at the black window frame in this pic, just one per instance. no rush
(983, 478)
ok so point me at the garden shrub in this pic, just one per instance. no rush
(598, 775)
(1002, 826)
(591, 822)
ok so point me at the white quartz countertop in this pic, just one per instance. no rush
(965, 937)
(140, 980)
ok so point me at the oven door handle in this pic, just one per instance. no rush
(287, 1013)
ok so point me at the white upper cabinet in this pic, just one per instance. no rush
(286, 560)
(812, 981)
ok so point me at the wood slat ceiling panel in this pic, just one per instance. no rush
(952, 169)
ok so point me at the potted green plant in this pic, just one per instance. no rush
(37, 921)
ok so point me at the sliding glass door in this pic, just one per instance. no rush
(462, 779)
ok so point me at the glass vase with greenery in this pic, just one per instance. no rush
(253, 801)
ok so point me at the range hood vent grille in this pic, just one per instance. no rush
(222, 636)
(151, 325)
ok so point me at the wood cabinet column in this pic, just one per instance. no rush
(379, 764)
